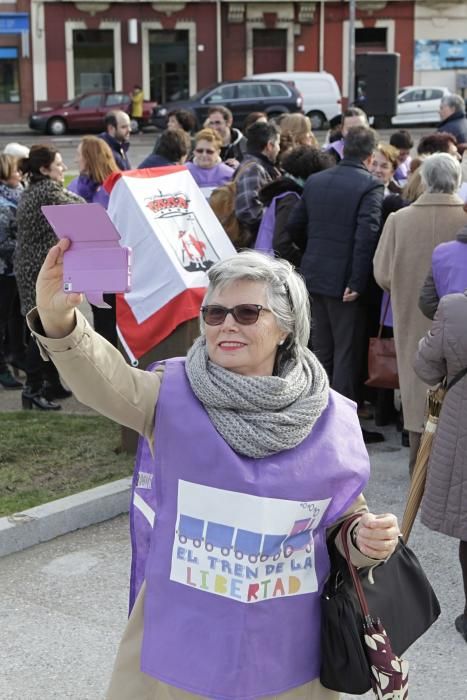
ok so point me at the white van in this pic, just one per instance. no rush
(321, 94)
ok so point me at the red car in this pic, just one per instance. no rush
(84, 113)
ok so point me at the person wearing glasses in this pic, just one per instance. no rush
(221, 119)
(247, 462)
(207, 168)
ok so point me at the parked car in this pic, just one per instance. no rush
(419, 105)
(242, 97)
(321, 95)
(84, 113)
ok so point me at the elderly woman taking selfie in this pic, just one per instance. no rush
(247, 461)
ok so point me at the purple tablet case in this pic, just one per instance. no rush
(94, 263)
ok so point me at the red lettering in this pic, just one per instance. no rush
(169, 202)
(253, 589)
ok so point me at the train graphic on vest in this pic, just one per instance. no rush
(245, 543)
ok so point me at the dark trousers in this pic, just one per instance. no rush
(38, 370)
(105, 320)
(338, 338)
(11, 321)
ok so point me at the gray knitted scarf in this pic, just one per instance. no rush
(258, 416)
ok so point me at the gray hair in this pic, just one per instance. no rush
(454, 102)
(286, 293)
(441, 172)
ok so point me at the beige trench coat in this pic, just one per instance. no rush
(401, 264)
(99, 377)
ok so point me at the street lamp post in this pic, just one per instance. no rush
(351, 85)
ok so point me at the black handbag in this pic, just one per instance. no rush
(401, 597)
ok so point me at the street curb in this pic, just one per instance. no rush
(50, 520)
(11, 130)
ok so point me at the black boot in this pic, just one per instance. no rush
(405, 438)
(370, 437)
(31, 398)
(55, 390)
(461, 625)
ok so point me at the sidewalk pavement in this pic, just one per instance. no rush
(16, 128)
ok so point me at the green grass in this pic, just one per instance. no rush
(68, 178)
(45, 456)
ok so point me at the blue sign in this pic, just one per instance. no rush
(440, 55)
(8, 52)
(14, 22)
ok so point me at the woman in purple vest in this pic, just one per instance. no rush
(243, 470)
(448, 274)
(95, 163)
(207, 168)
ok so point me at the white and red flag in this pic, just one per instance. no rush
(175, 237)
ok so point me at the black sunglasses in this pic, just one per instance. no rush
(245, 314)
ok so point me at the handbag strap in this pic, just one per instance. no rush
(353, 571)
(457, 378)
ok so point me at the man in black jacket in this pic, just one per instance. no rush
(337, 225)
(117, 136)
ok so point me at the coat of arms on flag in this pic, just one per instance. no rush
(162, 215)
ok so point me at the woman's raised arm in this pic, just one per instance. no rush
(56, 308)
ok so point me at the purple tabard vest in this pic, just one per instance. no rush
(237, 559)
(386, 317)
(337, 146)
(402, 172)
(264, 239)
(83, 186)
(449, 265)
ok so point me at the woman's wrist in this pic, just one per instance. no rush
(57, 325)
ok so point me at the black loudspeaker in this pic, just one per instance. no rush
(377, 84)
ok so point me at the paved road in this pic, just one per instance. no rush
(63, 605)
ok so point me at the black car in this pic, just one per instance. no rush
(241, 96)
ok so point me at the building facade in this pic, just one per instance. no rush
(16, 89)
(52, 50)
(440, 52)
(174, 48)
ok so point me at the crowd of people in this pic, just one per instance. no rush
(377, 231)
